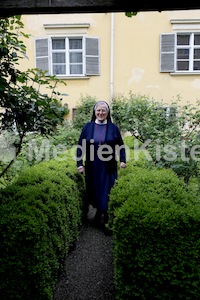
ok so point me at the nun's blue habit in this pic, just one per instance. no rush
(100, 175)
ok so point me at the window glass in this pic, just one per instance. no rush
(183, 53)
(76, 57)
(197, 39)
(183, 39)
(76, 69)
(182, 65)
(196, 53)
(197, 65)
(59, 69)
(58, 58)
(58, 44)
(75, 43)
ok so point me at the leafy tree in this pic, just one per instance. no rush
(83, 111)
(141, 116)
(130, 14)
(170, 133)
(24, 108)
(177, 146)
(119, 108)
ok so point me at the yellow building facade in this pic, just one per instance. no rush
(156, 54)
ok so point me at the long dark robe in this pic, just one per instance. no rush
(100, 175)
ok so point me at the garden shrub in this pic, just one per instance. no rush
(135, 158)
(132, 142)
(84, 111)
(136, 179)
(156, 237)
(40, 218)
(129, 141)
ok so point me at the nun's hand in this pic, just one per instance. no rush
(122, 165)
(81, 169)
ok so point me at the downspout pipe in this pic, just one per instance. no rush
(112, 32)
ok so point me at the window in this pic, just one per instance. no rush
(67, 50)
(180, 52)
(188, 52)
(170, 113)
(68, 56)
(74, 111)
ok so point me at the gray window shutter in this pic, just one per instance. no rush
(42, 55)
(92, 56)
(167, 52)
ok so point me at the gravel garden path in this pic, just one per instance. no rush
(88, 268)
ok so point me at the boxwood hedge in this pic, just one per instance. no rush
(155, 223)
(40, 218)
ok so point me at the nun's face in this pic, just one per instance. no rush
(101, 112)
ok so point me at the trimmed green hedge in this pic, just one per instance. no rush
(156, 223)
(40, 218)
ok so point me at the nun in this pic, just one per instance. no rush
(99, 151)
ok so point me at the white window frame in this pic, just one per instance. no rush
(67, 55)
(191, 47)
(90, 61)
(168, 58)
